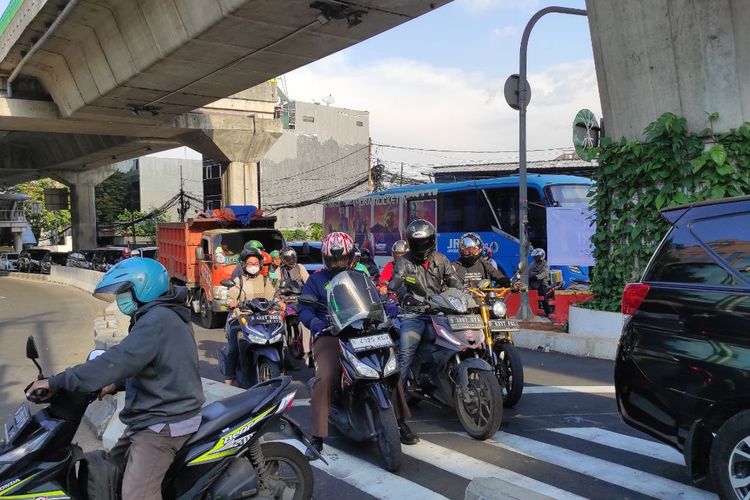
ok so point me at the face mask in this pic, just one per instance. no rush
(126, 304)
(252, 270)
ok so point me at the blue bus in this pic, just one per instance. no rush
(488, 207)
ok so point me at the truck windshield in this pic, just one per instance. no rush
(569, 195)
(228, 247)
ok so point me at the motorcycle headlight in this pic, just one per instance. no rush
(277, 335)
(392, 365)
(219, 292)
(499, 309)
(361, 368)
(254, 336)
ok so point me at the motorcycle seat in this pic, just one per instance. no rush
(222, 414)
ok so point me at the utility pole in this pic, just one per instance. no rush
(183, 208)
(369, 165)
(402, 173)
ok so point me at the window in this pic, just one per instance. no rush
(308, 119)
(505, 203)
(360, 124)
(569, 195)
(729, 237)
(681, 259)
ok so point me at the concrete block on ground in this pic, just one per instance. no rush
(492, 488)
(593, 323)
(596, 347)
(99, 413)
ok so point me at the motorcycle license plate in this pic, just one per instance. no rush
(16, 423)
(504, 325)
(466, 322)
(265, 319)
(370, 343)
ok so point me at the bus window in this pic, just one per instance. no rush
(462, 211)
(569, 195)
(505, 203)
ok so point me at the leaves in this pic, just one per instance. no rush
(718, 154)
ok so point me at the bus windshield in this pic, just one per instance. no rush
(569, 195)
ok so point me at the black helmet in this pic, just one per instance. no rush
(421, 237)
(288, 257)
(467, 242)
(251, 252)
(365, 255)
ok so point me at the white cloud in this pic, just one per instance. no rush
(504, 32)
(416, 104)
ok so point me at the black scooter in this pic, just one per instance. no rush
(361, 406)
(224, 459)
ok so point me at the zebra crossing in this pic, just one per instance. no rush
(559, 462)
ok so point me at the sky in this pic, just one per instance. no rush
(436, 82)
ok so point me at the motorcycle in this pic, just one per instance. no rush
(260, 340)
(295, 345)
(451, 370)
(224, 459)
(501, 354)
(361, 406)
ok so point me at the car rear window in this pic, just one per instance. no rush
(729, 237)
(682, 259)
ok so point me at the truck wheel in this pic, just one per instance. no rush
(209, 318)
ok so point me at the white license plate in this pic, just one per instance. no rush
(466, 322)
(264, 319)
(16, 423)
(370, 343)
(504, 325)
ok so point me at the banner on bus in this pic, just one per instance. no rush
(569, 232)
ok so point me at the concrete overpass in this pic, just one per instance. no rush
(87, 83)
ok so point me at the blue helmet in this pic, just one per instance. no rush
(146, 278)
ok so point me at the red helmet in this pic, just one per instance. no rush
(338, 252)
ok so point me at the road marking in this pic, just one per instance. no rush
(558, 389)
(624, 442)
(368, 477)
(620, 475)
(470, 468)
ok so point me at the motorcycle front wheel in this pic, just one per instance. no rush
(290, 472)
(509, 373)
(294, 342)
(267, 370)
(388, 436)
(480, 406)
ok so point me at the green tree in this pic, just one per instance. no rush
(46, 221)
(113, 197)
(145, 227)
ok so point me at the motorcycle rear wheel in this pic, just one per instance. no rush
(480, 410)
(509, 373)
(289, 469)
(388, 438)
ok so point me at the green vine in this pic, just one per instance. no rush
(636, 180)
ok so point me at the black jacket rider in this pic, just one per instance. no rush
(413, 282)
(480, 270)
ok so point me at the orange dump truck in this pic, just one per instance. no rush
(201, 252)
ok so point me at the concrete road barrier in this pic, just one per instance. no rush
(595, 347)
(82, 279)
(492, 488)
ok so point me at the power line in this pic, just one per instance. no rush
(315, 169)
(321, 199)
(411, 148)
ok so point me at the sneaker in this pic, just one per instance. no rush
(407, 436)
(316, 443)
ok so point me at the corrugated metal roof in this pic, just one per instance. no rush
(513, 166)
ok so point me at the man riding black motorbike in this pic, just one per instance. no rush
(338, 256)
(539, 277)
(156, 365)
(472, 267)
(290, 269)
(365, 259)
(419, 273)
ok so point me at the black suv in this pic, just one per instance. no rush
(682, 371)
(30, 260)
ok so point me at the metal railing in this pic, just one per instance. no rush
(12, 215)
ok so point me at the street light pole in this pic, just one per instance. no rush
(524, 312)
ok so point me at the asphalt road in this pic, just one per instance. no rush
(564, 439)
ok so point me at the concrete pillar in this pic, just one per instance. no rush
(680, 56)
(83, 202)
(18, 242)
(239, 184)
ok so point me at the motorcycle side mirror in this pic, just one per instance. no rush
(199, 254)
(227, 283)
(484, 284)
(94, 354)
(31, 351)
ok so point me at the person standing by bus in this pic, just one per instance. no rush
(539, 276)
(472, 267)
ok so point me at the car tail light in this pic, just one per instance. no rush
(633, 296)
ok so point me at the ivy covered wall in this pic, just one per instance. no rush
(673, 166)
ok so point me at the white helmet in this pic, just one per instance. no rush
(539, 252)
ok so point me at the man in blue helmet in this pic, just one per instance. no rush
(156, 365)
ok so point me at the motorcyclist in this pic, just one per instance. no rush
(273, 271)
(539, 276)
(372, 268)
(487, 254)
(157, 367)
(472, 267)
(291, 270)
(250, 285)
(239, 269)
(397, 251)
(421, 272)
(338, 256)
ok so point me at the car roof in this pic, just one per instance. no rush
(707, 208)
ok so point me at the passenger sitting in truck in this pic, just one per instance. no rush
(223, 252)
(249, 285)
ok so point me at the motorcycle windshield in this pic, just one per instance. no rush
(352, 297)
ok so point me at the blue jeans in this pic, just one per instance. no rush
(233, 350)
(413, 329)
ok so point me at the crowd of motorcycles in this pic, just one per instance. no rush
(470, 368)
